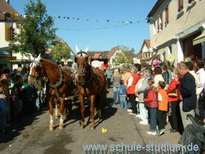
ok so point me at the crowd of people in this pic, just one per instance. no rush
(159, 94)
(17, 98)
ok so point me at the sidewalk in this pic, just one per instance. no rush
(167, 138)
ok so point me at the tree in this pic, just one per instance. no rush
(129, 53)
(60, 49)
(120, 58)
(36, 30)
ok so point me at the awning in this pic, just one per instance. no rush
(199, 39)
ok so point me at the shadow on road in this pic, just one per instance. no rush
(75, 114)
(17, 126)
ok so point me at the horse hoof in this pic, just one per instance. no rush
(50, 128)
(60, 126)
(92, 128)
(82, 127)
(56, 117)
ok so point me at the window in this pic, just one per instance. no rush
(166, 16)
(160, 23)
(9, 33)
(180, 5)
(157, 24)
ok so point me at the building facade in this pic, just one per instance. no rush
(8, 28)
(146, 52)
(176, 28)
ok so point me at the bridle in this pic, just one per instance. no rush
(87, 71)
(37, 77)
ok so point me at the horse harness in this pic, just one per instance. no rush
(55, 86)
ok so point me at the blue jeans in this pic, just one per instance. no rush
(3, 112)
(123, 101)
(116, 96)
(153, 119)
(39, 99)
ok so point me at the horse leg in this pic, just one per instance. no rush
(61, 114)
(51, 114)
(92, 111)
(56, 109)
(82, 110)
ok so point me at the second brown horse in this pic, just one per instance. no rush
(91, 83)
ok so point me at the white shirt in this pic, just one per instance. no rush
(130, 80)
(201, 80)
(195, 77)
(158, 78)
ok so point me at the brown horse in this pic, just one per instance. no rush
(91, 83)
(60, 84)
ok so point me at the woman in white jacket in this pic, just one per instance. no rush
(140, 90)
(201, 83)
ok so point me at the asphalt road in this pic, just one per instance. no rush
(117, 131)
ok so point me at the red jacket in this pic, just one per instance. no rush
(152, 98)
(174, 84)
(131, 89)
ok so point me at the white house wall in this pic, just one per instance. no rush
(3, 42)
(181, 25)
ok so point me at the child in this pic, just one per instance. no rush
(122, 94)
(152, 103)
(162, 108)
(3, 111)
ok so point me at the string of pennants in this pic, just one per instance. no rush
(95, 20)
(118, 22)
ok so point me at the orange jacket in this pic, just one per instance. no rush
(163, 103)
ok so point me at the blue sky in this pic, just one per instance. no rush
(99, 35)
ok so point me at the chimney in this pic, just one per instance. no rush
(7, 1)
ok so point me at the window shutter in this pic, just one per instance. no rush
(7, 33)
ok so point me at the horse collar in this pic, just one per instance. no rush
(58, 83)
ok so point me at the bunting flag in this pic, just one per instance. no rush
(97, 20)
(84, 19)
(119, 23)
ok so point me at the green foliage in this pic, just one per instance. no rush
(129, 53)
(120, 58)
(36, 30)
(60, 50)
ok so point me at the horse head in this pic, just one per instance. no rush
(35, 70)
(82, 63)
